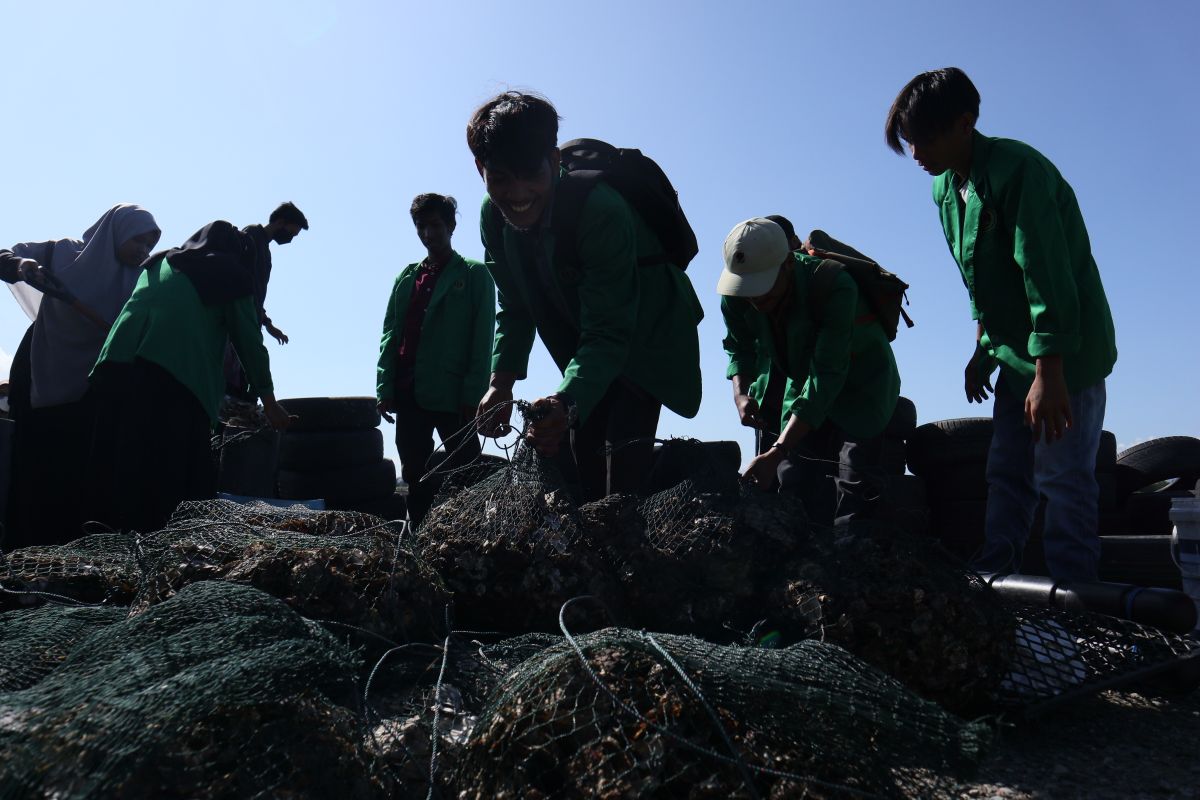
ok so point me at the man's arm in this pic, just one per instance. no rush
(385, 368)
(479, 339)
(741, 347)
(514, 330)
(830, 362)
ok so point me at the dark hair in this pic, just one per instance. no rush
(785, 223)
(928, 105)
(513, 130)
(441, 204)
(288, 214)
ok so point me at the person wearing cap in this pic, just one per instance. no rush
(621, 324)
(766, 391)
(842, 382)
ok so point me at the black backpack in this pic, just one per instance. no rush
(639, 180)
(883, 290)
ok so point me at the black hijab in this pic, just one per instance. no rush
(219, 261)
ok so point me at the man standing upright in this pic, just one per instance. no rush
(284, 224)
(1015, 230)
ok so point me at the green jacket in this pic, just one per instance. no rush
(165, 322)
(839, 367)
(1025, 257)
(456, 336)
(621, 319)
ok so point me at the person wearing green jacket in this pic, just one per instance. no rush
(1014, 228)
(618, 319)
(842, 381)
(433, 357)
(158, 382)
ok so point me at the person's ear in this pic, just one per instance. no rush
(555, 160)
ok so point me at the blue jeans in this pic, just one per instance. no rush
(1020, 469)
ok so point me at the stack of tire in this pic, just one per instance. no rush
(951, 456)
(906, 494)
(1135, 541)
(334, 451)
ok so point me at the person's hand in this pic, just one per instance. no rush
(763, 469)
(547, 426)
(279, 335)
(1048, 404)
(386, 409)
(35, 275)
(495, 411)
(748, 412)
(277, 415)
(977, 377)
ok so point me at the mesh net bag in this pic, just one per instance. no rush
(1062, 655)
(710, 546)
(903, 605)
(34, 641)
(221, 691)
(358, 580)
(101, 568)
(619, 713)
(512, 548)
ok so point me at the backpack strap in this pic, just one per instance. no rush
(570, 196)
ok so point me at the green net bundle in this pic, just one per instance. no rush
(619, 713)
(364, 580)
(512, 548)
(294, 519)
(221, 691)
(100, 568)
(34, 641)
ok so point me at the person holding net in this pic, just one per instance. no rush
(433, 357)
(842, 381)
(586, 272)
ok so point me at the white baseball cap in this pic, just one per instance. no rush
(754, 251)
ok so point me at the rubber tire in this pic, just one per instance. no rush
(894, 457)
(948, 442)
(1106, 455)
(325, 450)
(906, 491)
(1140, 560)
(391, 508)
(679, 460)
(484, 465)
(903, 421)
(1149, 513)
(1157, 460)
(959, 526)
(964, 481)
(353, 484)
(332, 413)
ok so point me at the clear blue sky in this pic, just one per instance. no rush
(218, 109)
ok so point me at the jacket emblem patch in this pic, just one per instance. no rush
(987, 220)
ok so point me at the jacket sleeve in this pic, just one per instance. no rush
(740, 342)
(515, 328)
(8, 267)
(830, 362)
(246, 334)
(1030, 210)
(481, 336)
(384, 377)
(609, 292)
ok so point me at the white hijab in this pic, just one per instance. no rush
(65, 343)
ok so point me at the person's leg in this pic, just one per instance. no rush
(584, 463)
(1012, 498)
(861, 482)
(808, 471)
(1065, 472)
(414, 444)
(629, 438)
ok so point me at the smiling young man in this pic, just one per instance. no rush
(1015, 230)
(842, 382)
(617, 317)
(433, 357)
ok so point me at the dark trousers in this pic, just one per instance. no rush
(49, 450)
(853, 464)
(612, 451)
(414, 442)
(151, 448)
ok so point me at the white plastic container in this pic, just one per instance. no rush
(1185, 544)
